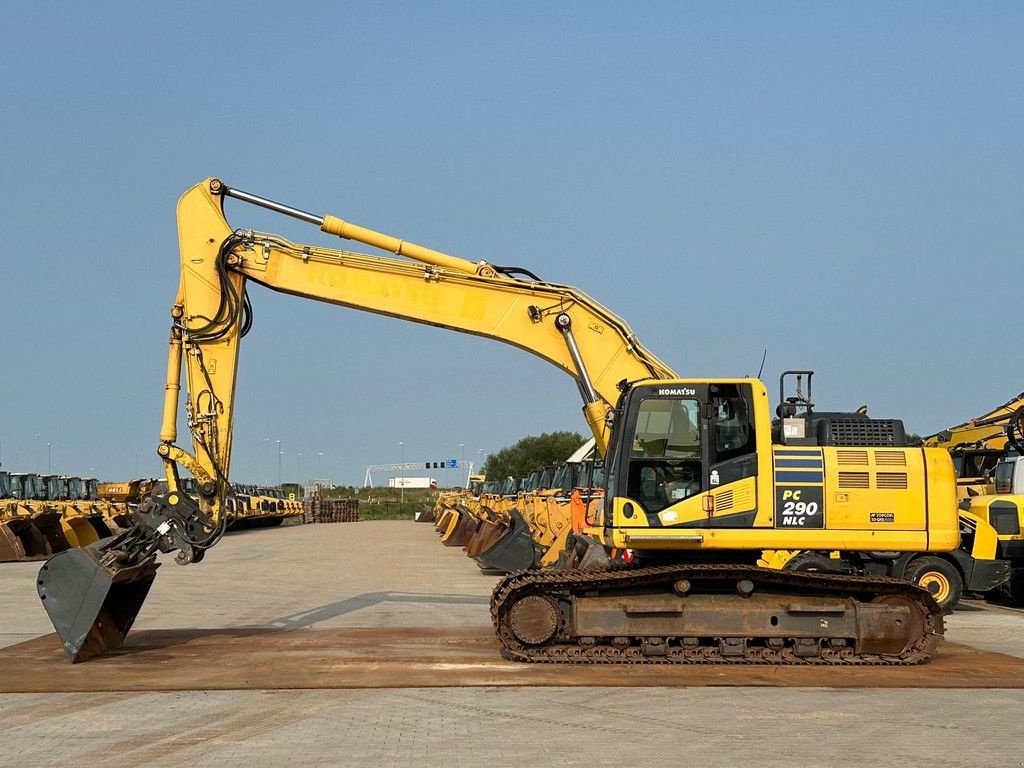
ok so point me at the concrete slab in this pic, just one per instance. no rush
(534, 727)
(259, 658)
(371, 577)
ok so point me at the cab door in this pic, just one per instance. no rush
(732, 456)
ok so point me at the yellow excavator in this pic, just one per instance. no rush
(977, 445)
(987, 454)
(699, 477)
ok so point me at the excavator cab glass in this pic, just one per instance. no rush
(90, 489)
(679, 441)
(5, 485)
(971, 464)
(665, 458)
(1004, 474)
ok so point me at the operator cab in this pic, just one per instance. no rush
(676, 440)
(1009, 474)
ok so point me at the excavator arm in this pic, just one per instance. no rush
(995, 430)
(211, 314)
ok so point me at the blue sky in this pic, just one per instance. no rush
(837, 183)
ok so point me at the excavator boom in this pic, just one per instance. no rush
(211, 314)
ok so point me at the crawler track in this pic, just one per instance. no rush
(906, 618)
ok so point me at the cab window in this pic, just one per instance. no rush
(733, 422)
(665, 465)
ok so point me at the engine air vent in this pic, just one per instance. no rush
(854, 480)
(852, 457)
(893, 481)
(1004, 517)
(844, 431)
(723, 501)
(891, 458)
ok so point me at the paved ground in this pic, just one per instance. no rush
(393, 575)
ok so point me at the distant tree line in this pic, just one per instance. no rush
(534, 451)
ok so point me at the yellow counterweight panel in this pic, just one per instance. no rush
(943, 511)
(875, 489)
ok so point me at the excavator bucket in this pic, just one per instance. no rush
(514, 551)
(91, 601)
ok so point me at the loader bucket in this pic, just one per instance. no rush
(425, 515)
(442, 520)
(11, 548)
(48, 524)
(514, 551)
(103, 530)
(23, 539)
(486, 535)
(92, 605)
(78, 531)
(458, 536)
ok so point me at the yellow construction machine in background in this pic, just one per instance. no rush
(977, 445)
(987, 454)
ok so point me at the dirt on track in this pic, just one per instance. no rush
(260, 659)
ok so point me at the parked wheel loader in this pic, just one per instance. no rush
(1002, 513)
(32, 528)
(702, 474)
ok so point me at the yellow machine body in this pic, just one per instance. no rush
(790, 497)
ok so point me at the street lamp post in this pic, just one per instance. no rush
(462, 460)
(401, 492)
(300, 472)
(266, 472)
(37, 454)
(280, 453)
(49, 458)
(319, 455)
